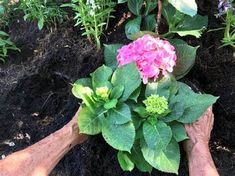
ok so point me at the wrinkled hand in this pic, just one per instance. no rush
(41, 157)
(73, 126)
(199, 131)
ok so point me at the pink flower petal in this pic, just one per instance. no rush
(153, 56)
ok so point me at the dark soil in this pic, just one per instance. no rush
(36, 99)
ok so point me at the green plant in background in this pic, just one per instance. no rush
(5, 45)
(143, 19)
(44, 11)
(181, 19)
(3, 13)
(183, 24)
(180, 16)
(93, 16)
(6, 10)
(229, 32)
(226, 8)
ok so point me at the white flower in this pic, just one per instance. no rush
(92, 12)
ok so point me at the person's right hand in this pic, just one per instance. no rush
(73, 127)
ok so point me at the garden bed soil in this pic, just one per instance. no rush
(36, 99)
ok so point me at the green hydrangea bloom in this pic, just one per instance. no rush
(156, 105)
(103, 93)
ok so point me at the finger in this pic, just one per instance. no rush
(187, 128)
(204, 116)
(208, 115)
(212, 121)
(211, 118)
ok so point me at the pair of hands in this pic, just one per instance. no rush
(198, 132)
(42, 157)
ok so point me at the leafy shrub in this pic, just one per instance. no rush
(93, 16)
(5, 45)
(144, 122)
(44, 11)
(144, 129)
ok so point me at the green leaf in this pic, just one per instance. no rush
(192, 26)
(166, 160)
(188, 7)
(3, 34)
(186, 55)
(124, 161)
(138, 158)
(111, 104)
(172, 16)
(150, 6)
(177, 110)
(166, 87)
(117, 91)
(86, 94)
(132, 27)
(135, 6)
(40, 23)
(101, 76)
(141, 111)
(150, 22)
(134, 96)
(136, 121)
(110, 55)
(157, 136)
(26, 17)
(195, 104)
(80, 91)
(140, 34)
(121, 1)
(120, 137)
(86, 82)
(120, 115)
(151, 89)
(178, 131)
(127, 76)
(2, 10)
(88, 122)
(183, 24)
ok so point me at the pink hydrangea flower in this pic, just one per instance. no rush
(153, 56)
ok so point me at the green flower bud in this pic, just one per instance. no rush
(103, 93)
(156, 105)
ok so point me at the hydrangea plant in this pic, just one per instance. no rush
(140, 116)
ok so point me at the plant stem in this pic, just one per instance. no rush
(166, 34)
(96, 33)
(83, 17)
(159, 14)
(227, 30)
